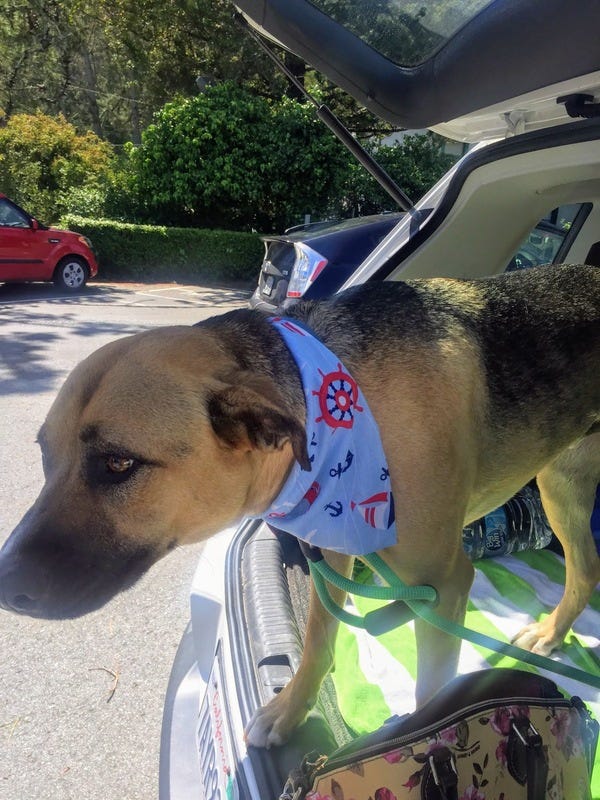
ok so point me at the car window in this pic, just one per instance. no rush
(11, 217)
(542, 244)
(405, 31)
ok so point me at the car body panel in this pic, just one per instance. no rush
(343, 245)
(519, 179)
(30, 251)
(197, 748)
(203, 752)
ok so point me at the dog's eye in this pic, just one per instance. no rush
(119, 465)
(109, 469)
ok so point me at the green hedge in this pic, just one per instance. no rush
(158, 253)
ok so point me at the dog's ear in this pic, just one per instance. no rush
(247, 413)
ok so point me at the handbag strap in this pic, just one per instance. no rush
(527, 760)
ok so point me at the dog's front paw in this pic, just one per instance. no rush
(539, 637)
(274, 723)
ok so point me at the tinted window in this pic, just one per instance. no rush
(11, 217)
(405, 31)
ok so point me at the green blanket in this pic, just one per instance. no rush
(374, 677)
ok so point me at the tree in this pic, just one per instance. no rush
(108, 65)
(230, 158)
(47, 167)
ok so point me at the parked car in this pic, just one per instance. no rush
(312, 262)
(315, 260)
(30, 251)
(520, 82)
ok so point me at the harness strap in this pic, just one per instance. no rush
(413, 601)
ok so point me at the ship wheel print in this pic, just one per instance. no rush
(338, 398)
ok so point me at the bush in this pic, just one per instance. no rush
(228, 158)
(49, 169)
(154, 253)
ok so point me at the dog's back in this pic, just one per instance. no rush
(533, 329)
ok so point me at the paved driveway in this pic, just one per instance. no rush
(64, 733)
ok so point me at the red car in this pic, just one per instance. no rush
(30, 251)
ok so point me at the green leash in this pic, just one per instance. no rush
(408, 602)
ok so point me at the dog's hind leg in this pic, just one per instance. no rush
(568, 489)
(273, 724)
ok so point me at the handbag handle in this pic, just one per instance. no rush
(526, 758)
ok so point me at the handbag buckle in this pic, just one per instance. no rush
(444, 773)
(527, 732)
(527, 759)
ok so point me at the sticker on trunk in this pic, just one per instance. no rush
(215, 750)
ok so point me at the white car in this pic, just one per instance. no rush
(523, 81)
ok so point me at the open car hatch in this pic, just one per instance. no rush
(470, 69)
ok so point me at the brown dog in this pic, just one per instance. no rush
(166, 437)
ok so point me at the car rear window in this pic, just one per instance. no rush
(281, 255)
(407, 32)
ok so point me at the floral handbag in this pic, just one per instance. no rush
(499, 734)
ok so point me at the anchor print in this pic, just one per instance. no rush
(337, 472)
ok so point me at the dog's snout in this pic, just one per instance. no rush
(22, 587)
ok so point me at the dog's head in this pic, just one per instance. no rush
(155, 440)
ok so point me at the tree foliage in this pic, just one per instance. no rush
(237, 157)
(108, 65)
(232, 158)
(415, 163)
(47, 167)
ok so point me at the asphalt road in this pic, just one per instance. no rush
(64, 733)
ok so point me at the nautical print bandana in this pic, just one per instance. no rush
(345, 502)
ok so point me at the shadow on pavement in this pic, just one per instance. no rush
(25, 365)
(168, 295)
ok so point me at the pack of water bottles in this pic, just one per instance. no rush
(520, 524)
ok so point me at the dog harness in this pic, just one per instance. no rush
(345, 502)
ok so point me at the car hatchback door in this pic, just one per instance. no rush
(472, 71)
(24, 248)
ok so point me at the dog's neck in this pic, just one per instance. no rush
(269, 474)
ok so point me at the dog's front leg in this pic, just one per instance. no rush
(274, 723)
(568, 488)
(443, 564)
(438, 652)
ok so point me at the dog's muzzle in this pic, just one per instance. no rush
(53, 575)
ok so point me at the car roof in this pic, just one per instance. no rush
(313, 233)
(421, 65)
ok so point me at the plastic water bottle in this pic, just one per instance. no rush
(520, 524)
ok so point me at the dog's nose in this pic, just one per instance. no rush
(21, 603)
(22, 587)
